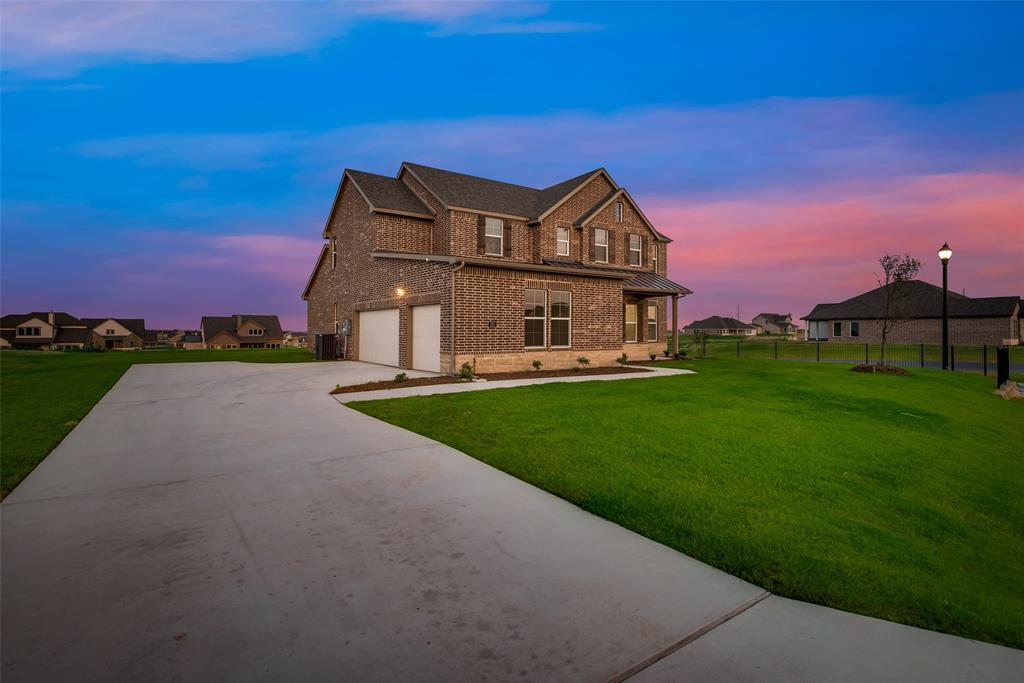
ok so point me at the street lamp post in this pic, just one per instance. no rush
(944, 253)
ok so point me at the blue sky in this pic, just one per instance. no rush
(171, 161)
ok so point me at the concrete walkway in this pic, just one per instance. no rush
(459, 387)
(229, 521)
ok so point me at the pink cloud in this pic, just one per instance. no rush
(786, 251)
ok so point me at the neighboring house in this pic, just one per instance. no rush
(433, 269)
(241, 332)
(917, 309)
(50, 330)
(152, 339)
(776, 323)
(716, 324)
(191, 341)
(293, 338)
(118, 333)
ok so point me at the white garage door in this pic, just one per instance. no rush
(426, 338)
(378, 336)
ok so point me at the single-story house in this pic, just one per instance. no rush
(58, 330)
(720, 325)
(916, 308)
(432, 269)
(241, 331)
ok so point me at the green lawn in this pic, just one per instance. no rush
(44, 394)
(897, 497)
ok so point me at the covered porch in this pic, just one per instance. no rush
(648, 299)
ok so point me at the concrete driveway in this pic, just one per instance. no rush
(230, 521)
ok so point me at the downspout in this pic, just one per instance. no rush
(451, 354)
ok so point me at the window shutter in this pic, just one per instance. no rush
(593, 251)
(641, 318)
(644, 258)
(481, 237)
(611, 246)
(506, 239)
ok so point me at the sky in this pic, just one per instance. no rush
(174, 160)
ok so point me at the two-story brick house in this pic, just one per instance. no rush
(431, 269)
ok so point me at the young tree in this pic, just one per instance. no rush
(896, 270)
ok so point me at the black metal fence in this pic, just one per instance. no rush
(963, 358)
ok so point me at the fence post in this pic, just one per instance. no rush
(984, 359)
(817, 351)
(952, 357)
(776, 350)
(922, 355)
(867, 359)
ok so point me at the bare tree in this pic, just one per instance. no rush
(895, 271)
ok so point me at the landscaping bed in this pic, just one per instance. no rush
(490, 376)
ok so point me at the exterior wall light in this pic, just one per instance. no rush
(399, 291)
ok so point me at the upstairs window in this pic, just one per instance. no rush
(110, 331)
(255, 332)
(837, 329)
(601, 245)
(562, 241)
(334, 252)
(561, 318)
(652, 322)
(618, 212)
(535, 315)
(29, 331)
(636, 244)
(494, 235)
(654, 258)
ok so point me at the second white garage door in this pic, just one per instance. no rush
(378, 336)
(426, 338)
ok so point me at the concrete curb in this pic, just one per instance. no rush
(500, 384)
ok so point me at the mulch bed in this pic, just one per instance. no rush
(392, 384)
(528, 374)
(879, 369)
(492, 376)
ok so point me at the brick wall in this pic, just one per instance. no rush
(485, 294)
(404, 233)
(360, 282)
(441, 229)
(929, 331)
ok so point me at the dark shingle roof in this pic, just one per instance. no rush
(641, 281)
(73, 335)
(59, 318)
(384, 192)
(215, 324)
(779, 318)
(472, 192)
(914, 299)
(717, 322)
(136, 326)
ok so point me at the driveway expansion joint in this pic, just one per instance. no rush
(689, 638)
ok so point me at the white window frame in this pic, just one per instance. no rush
(840, 332)
(30, 332)
(559, 241)
(489, 223)
(635, 323)
(543, 318)
(618, 212)
(568, 319)
(598, 245)
(652, 337)
(654, 258)
(639, 250)
(110, 332)
(334, 252)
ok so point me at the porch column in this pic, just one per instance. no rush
(675, 325)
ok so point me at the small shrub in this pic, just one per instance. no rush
(466, 371)
(622, 360)
(401, 377)
(654, 355)
(537, 365)
(337, 387)
(581, 363)
(668, 353)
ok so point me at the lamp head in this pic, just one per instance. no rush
(945, 252)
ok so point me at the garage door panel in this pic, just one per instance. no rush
(426, 338)
(378, 336)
